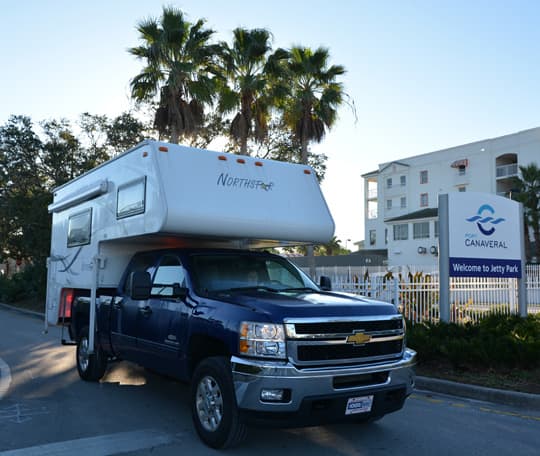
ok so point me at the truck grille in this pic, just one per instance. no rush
(347, 327)
(348, 351)
(344, 341)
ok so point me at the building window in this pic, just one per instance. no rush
(421, 230)
(462, 170)
(436, 226)
(372, 237)
(388, 204)
(79, 228)
(386, 235)
(403, 202)
(389, 182)
(424, 200)
(401, 232)
(403, 180)
(423, 177)
(462, 189)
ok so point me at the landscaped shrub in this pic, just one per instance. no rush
(497, 341)
(31, 283)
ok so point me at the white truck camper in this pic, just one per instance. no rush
(161, 195)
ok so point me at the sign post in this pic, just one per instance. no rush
(481, 235)
(444, 271)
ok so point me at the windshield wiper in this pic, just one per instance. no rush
(253, 288)
(298, 289)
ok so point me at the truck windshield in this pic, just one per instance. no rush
(227, 272)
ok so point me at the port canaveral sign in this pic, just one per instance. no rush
(484, 235)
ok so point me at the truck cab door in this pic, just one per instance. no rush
(125, 313)
(159, 320)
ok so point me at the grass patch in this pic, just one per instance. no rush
(525, 381)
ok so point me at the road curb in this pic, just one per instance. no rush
(24, 311)
(481, 393)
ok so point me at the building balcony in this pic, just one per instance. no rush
(507, 170)
(373, 214)
(372, 194)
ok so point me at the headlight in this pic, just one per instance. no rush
(262, 339)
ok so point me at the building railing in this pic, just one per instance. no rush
(507, 170)
(372, 193)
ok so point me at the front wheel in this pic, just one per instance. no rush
(213, 404)
(91, 367)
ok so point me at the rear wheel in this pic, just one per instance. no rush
(91, 367)
(213, 404)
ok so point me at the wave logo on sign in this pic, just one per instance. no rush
(482, 219)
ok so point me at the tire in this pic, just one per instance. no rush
(92, 367)
(213, 404)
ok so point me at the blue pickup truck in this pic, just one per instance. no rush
(259, 342)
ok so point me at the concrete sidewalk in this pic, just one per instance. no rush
(480, 393)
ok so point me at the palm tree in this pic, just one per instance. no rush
(528, 188)
(312, 102)
(314, 95)
(179, 71)
(332, 247)
(251, 85)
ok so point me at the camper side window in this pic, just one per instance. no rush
(79, 228)
(169, 273)
(131, 198)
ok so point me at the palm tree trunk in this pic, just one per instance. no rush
(310, 254)
(527, 241)
(243, 145)
(536, 235)
(304, 157)
(174, 135)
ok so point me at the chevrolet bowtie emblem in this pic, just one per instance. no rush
(358, 338)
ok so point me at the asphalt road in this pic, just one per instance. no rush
(46, 410)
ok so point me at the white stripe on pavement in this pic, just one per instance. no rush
(5, 378)
(97, 446)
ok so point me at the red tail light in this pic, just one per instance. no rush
(66, 302)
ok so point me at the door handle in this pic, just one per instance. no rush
(147, 310)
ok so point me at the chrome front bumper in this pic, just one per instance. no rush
(251, 376)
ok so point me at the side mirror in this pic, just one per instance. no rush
(140, 285)
(325, 283)
(179, 292)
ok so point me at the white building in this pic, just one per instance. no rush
(401, 197)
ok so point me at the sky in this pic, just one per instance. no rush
(423, 75)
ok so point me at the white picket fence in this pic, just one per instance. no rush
(416, 292)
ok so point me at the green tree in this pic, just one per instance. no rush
(528, 193)
(61, 153)
(282, 145)
(333, 247)
(94, 130)
(252, 84)
(315, 94)
(24, 222)
(124, 132)
(179, 72)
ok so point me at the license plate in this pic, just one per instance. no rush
(359, 405)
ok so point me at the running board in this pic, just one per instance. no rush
(66, 342)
